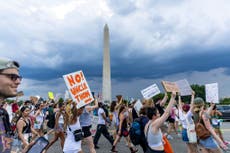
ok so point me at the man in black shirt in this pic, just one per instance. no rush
(9, 82)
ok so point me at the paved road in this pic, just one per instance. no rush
(178, 145)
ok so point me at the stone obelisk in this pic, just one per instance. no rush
(106, 82)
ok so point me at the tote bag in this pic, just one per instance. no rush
(191, 132)
(167, 145)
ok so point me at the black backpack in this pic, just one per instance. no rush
(136, 132)
(4, 116)
(51, 118)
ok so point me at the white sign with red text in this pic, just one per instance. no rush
(78, 87)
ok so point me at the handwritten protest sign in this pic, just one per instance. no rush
(78, 87)
(170, 86)
(211, 92)
(150, 91)
(184, 87)
(94, 124)
(51, 95)
(138, 106)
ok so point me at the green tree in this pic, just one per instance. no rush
(199, 90)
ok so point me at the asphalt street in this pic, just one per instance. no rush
(177, 144)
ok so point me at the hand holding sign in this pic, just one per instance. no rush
(170, 86)
(211, 92)
(78, 87)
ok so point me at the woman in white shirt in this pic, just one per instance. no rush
(73, 124)
(185, 115)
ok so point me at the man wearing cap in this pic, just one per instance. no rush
(9, 81)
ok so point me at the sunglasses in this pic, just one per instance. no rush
(13, 77)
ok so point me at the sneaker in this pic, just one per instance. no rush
(113, 151)
(96, 147)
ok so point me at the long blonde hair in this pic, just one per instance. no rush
(72, 118)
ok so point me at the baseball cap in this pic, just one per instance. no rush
(7, 63)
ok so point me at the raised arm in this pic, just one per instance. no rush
(163, 101)
(192, 101)
(91, 108)
(209, 110)
(179, 101)
(164, 117)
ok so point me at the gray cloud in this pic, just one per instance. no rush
(148, 39)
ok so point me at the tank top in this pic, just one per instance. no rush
(154, 139)
(26, 129)
(85, 118)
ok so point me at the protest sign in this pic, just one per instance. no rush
(211, 93)
(51, 95)
(150, 91)
(170, 86)
(78, 87)
(137, 106)
(94, 124)
(184, 87)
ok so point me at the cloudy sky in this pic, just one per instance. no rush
(150, 41)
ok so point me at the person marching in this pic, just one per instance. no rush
(101, 127)
(86, 124)
(9, 82)
(72, 145)
(123, 129)
(153, 134)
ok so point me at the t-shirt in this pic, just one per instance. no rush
(100, 117)
(182, 118)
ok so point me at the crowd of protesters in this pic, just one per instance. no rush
(37, 117)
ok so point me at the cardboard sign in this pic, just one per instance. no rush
(170, 86)
(93, 129)
(138, 105)
(150, 91)
(78, 87)
(51, 95)
(184, 87)
(211, 92)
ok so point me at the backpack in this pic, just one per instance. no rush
(51, 118)
(201, 131)
(136, 132)
(5, 120)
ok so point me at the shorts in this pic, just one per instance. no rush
(184, 135)
(86, 131)
(209, 143)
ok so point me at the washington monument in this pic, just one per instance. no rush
(106, 82)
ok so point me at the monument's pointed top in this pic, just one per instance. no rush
(106, 26)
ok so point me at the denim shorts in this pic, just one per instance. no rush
(185, 135)
(209, 143)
